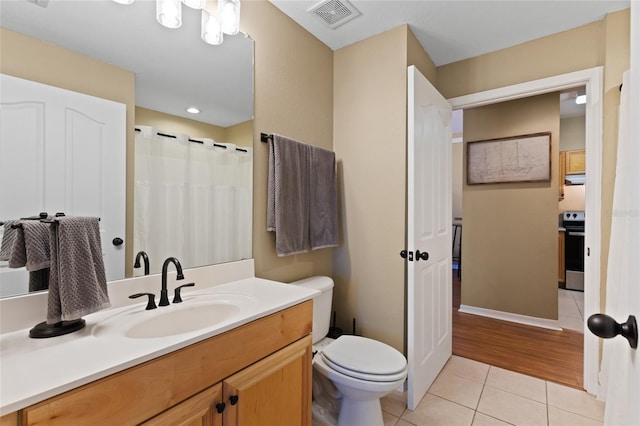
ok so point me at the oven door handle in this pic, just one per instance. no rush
(575, 233)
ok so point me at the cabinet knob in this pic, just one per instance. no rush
(220, 407)
(233, 399)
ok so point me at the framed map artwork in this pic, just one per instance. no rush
(525, 158)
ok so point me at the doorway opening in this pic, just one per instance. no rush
(591, 79)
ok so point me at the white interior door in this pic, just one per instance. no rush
(428, 230)
(620, 374)
(63, 151)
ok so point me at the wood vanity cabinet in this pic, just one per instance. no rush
(260, 371)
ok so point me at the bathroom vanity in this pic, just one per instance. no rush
(251, 370)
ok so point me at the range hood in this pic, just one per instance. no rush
(578, 179)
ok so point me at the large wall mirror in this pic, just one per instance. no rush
(174, 69)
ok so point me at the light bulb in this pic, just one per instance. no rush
(229, 15)
(169, 13)
(211, 29)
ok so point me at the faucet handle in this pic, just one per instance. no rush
(176, 293)
(151, 302)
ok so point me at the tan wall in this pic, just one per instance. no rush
(457, 163)
(574, 197)
(572, 133)
(510, 230)
(293, 97)
(418, 57)
(370, 143)
(568, 51)
(240, 134)
(32, 59)
(604, 43)
(572, 136)
(174, 124)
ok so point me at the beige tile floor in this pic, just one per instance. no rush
(470, 393)
(571, 309)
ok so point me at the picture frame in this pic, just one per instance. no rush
(524, 158)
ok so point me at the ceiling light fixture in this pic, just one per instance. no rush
(211, 29)
(229, 15)
(581, 99)
(169, 13)
(213, 26)
(193, 110)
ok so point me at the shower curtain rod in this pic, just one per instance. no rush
(193, 140)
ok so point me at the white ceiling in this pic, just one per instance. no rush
(452, 30)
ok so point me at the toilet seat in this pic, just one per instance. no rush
(365, 359)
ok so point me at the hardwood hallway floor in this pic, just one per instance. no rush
(550, 355)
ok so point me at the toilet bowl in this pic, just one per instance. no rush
(362, 370)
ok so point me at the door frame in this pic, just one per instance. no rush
(592, 79)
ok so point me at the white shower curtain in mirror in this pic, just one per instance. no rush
(192, 200)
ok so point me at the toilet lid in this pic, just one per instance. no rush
(365, 358)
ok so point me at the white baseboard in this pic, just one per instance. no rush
(508, 316)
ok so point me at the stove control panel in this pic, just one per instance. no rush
(573, 215)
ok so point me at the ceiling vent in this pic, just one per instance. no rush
(334, 12)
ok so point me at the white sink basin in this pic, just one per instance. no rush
(195, 313)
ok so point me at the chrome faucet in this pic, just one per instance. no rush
(145, 259)
(164, 298)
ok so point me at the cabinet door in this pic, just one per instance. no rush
(575, 161)
(275, 391)
(203, 409)
(561, 173)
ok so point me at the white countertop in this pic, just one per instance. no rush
(32, 370)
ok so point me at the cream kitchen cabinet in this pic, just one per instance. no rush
(262, 367)
(575, 162)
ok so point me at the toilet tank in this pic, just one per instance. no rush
(321, 304)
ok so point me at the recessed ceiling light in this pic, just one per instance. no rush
(193, 110)
(581, 99)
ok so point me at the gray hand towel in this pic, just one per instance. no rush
(77, 283)
(30, 246)
(287, 195)
(8, 238)
(323, 204)
(31, 249)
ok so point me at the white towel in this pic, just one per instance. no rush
(77, 283)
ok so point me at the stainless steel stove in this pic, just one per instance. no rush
(573, 221)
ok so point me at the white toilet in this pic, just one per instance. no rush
(363, 370)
